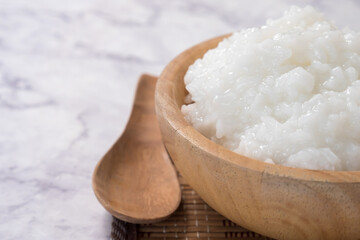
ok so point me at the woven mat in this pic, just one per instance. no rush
(194, 219)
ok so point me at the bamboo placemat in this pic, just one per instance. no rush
(194, 219)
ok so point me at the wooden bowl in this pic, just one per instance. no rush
(273, 200)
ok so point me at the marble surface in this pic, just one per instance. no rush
(68, 71)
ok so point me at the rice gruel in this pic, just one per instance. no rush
(286, 93)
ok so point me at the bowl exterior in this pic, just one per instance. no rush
(276, 201)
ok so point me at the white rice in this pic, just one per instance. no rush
(286, 93)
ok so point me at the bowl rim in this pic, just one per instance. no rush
(167, 107)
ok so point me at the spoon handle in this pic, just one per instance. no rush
(143, 117)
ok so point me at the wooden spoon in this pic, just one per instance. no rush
(135, 181)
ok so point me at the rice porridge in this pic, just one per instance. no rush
(286, 93)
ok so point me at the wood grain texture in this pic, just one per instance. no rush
(136, 181)
(273, 200)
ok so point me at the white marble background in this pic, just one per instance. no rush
(68, 70)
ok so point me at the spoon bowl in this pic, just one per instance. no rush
(135, 181)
